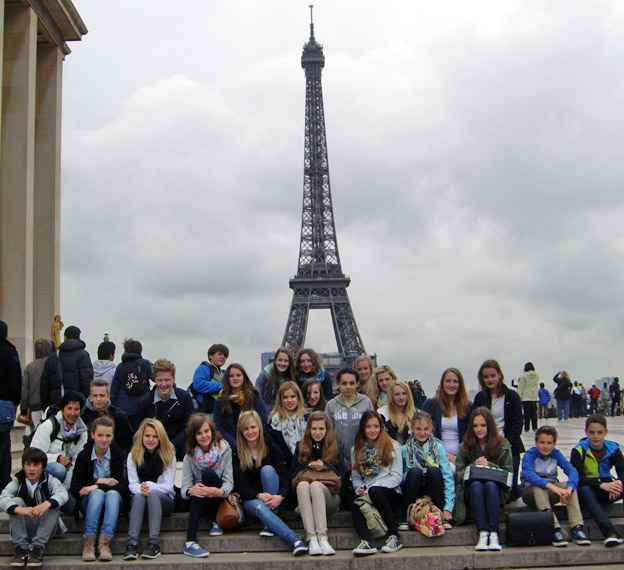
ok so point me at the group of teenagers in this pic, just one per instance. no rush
(288, 442)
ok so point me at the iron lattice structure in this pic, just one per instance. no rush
(320, 282)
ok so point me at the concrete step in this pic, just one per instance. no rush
(248, 540)
(430, 557)
(341, 519)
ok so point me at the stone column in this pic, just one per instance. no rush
(17, 161)
(47, 190)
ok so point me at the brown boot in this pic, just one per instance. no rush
(88, 549)
(104, 548)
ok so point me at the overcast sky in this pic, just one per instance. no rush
(475, 153)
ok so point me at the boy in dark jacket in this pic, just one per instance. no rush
(593, 458)
(32, 500)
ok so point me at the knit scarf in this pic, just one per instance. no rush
(152, 467)
(370, 465)
(208, 460)
(291, 428)
(422, 455)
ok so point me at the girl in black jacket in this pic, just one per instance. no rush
(261, 478)
(99, 483)
(506, 407)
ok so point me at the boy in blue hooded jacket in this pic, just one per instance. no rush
(542, 488)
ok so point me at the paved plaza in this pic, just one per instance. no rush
(574, 429)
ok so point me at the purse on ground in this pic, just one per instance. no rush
(535, 528)
(230, 512)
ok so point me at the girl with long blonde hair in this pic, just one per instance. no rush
(287, 420)
(397, 414)
(151, 473)
(377, 391)
(261, 476)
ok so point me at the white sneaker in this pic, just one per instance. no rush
(326, 547)
(494, 544)
(483, 541)
(314, 548)
(403, 527)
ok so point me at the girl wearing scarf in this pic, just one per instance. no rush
(151, 468)
(207, 477)
(376, 473)
(426, 468)
(238, 395)
(287, 420)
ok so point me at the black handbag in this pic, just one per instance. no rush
(535, 528)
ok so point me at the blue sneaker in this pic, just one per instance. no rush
(196, 551)
(579, 537)
(300, 548)
(558, 539)
(216, 530)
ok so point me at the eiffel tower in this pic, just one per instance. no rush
(320, 282)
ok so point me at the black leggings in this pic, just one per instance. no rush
(419, 483)
(203, 505)
(385, 500)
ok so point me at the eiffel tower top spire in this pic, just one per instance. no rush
(319, 282)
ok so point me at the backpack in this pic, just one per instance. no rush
(134, 378)
(50, 414)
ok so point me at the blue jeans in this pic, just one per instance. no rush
(257, 508)
(484, 501)
(60, 472)
(92, 505)
(591, 499)
(563, 409)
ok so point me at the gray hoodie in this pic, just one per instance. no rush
(346, 421)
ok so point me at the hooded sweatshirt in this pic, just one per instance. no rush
(31, 389)
(346, 420)
(528, 386)
(104, 370)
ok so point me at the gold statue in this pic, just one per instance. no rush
(57, 326)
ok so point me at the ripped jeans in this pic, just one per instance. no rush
(257, 509)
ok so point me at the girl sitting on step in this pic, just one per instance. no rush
(318, 453)
(262, 479)
(207, 477)
(151, 467)
(397, 414)
(376, 473)
(287, 420)
(100, 487)
(483, 446)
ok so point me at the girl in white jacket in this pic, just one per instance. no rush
(151, 473)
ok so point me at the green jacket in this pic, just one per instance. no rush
(503, 461)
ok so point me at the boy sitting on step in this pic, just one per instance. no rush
(594, 457)
(542, 488)
(32, 500)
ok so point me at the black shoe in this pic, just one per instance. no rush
(131, 552)
(612, 538)
(19, 558)
(152, 551)
(35, 557)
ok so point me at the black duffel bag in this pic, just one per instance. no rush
(535, 528)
